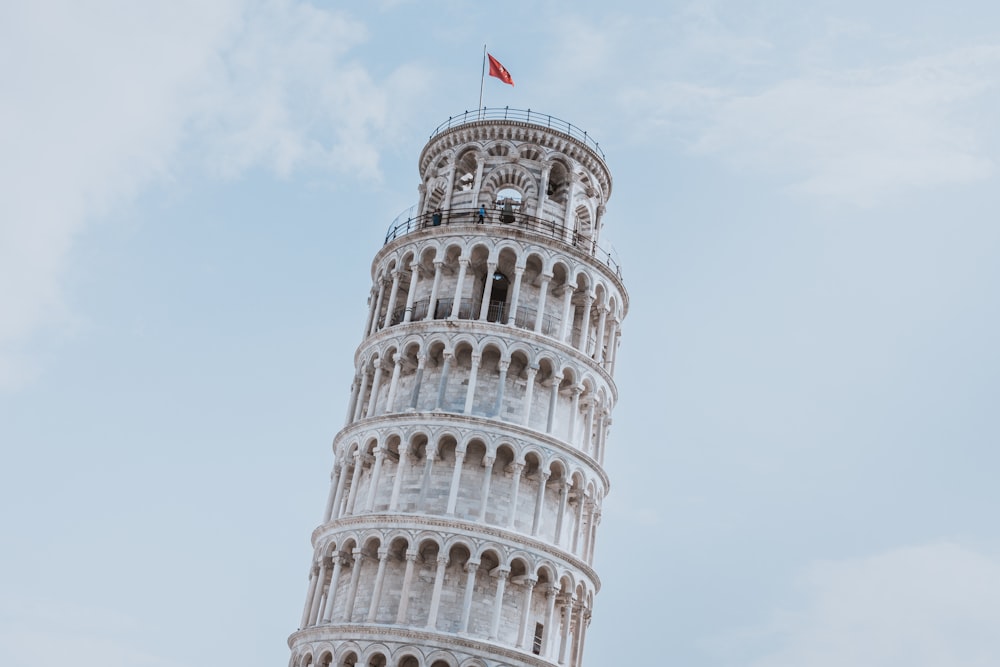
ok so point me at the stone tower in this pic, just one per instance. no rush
(467, 481)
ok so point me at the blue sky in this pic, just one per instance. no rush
(804, 455)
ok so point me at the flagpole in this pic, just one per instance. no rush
(482, 79)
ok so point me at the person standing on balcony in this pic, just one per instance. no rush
(482, 213)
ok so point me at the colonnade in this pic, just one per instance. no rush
(370, 399)
(581, 312)
(577, 507)
(561, 611)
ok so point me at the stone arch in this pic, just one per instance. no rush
(329, 547)
(500, 148)
(546, 572)
(530, 151)
(560, 180)
(348, 447)
(348, 657)
(583, 220)
(508, 176)
(466, 164)
(508, 245)
(376, 655)
(437, 189)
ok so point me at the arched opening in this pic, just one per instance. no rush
(499, 287)
(508, 201)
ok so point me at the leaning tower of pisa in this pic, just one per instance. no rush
(468, 478)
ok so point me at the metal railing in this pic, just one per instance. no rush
(522, 115)
(497, 217)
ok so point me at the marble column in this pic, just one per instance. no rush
(397, 483)
(567, 323)
(417, 379)
(392, 298)
(432, 304)
(553, 403)
(515, 295)
(543, 292)
(331, 594)
(485, 493)
(522, 630)
(318, 592)
(390, 399)
(373, 484)
(501, 384)
(473, 377)
(414, 272)
(376, 385)
(378, 307)
(442, 563)
(352, 592)
(341, 482)
(443, 384)
(529, 390)
(484, 308)
(501, 576)
(383, 559)
(471, 567)
(456, 480)
(463, 265)
(310, 593)
(536, 521)
(404, 597)
(352, 495)
(517, 468)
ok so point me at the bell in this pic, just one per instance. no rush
(507, 214)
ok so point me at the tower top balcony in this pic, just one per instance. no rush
(535, 135)
(530, 170)
(491, 115)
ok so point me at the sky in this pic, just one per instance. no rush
(803, 458)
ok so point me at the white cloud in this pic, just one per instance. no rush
(798, 111)
(861, 134)
(106, 98)
(925, 606)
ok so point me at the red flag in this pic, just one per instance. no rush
(499, 71)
